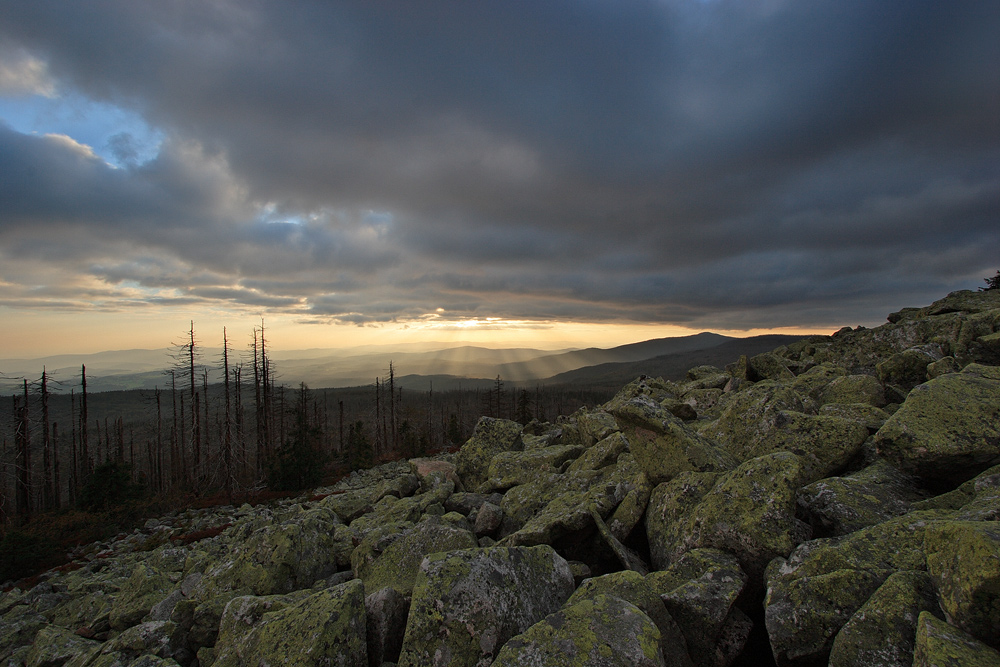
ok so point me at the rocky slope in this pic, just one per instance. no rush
(834, 502)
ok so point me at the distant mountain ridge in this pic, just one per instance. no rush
(443, 368)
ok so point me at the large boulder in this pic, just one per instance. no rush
(664, 445)
(749, 512)
(603, 631)
(941, 645)
(632, 587)
(467, 604)
(881, 632)
(842, 505)
(324, 629)
(144, 588)
(490, 437)
(819, 587)
(55, 646)
(963, 558)
(948, 430)
(391, 558)
(699, 590)
(509, 469)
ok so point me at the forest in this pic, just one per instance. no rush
(226, 428)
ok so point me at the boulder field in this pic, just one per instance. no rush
(835, 501)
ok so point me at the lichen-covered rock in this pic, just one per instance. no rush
(655, 388)
(842, 505)
(509, 469)
(490, 437)
(434, 471)
(400, 487)
(393, 510)
(351, 504)
(812, 593)
(385, 612)
(949, 427)
(604, 453)
(869, 416)
(963, 558)
(279, 557)
(632, 587)
(664, 445)
(525, 501)
(19, 627)
(864, 389)
(603, 631)
(749, 512)
(325, 628)
(595, 426)
(881, 632)
(394, 564)
(631, 509)
(143, 589)
(699, 590)
(244, 613)
(804, 614)
(906, 369)
(941, 645)
(54, 646)
(750, 416)
(467, 604)
(159, 639)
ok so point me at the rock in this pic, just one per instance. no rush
(350, 505)
(604, 453)
(385, 613)
(941, 645)
(432, 472)
(749, 418)
(467, 604)
(804, 614)
(819, 587)
(664, 445)
(869, 416)
(842, 505)
(145, 588)
(948, 430)
(881, 632)
(596, 426)
(491, 437)
(19, 627)
(906, 369)
(509, 469)
(963, 559)
(604, 631)
(654, 388)
(942, 366)
(699, 590)
(396, 564)
(767, 366)
(488, 519)
(854, 389)
(400, 487)
(749, 512)
(524, 502)
(632, 587)
(325, 628)
(54, 646)
(631, 509)
(466, 503)
(162, 639)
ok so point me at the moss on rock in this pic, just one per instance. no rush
(881, 633)
(949, 428)
(467, 604)
(603, 631)
(963, 558)
(941, 645)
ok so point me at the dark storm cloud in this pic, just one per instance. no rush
(709, 163)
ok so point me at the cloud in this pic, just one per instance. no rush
(721, 165)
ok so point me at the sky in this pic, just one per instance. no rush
(552, 172)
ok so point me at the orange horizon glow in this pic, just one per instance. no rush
(41, 334)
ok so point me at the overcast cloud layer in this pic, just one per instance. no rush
(713, 164)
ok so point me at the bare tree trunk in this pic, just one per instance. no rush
(22, 461)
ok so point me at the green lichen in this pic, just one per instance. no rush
(881, 633)
(963, 558)
(948, 429)
(603, 631)
(490, 437)
(941, 645)
(325, 628)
